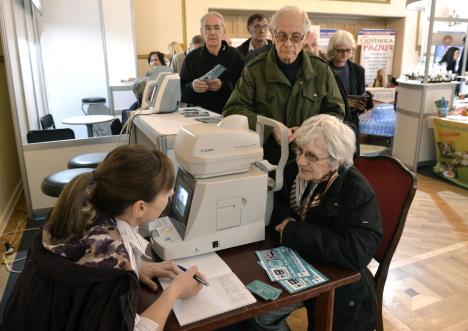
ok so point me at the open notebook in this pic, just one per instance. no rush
(226, 292)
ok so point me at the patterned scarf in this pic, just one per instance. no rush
(99, 246)
(307, 194)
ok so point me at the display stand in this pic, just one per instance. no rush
(414, 141)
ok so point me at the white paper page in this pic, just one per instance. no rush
(210, 265)
(226, 291)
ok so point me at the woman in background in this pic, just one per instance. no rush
(156, 59)
(174, 47)
(380, 79)
(84, 270)
(339, 52)
(451, 58)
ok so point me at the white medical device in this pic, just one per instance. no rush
(162, 94)
(220, 196)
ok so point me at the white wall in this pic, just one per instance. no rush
(158, 21)
(73, 56)
(120, 44)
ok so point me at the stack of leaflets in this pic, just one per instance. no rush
(285, 266)
(213, 73)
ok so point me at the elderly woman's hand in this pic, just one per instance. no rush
(280, 227)
(148, 270)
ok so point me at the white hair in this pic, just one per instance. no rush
(340, 140)
(291, 10)
(211, 13)
(337, 38)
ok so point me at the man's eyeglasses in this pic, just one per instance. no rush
(308, 155)
(283, 37)
(258, 27)
(344, 51)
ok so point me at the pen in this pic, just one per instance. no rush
(196, 277)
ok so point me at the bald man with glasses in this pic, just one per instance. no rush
(285, 83)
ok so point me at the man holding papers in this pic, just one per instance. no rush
(210, 91)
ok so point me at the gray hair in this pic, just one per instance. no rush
(339, 37)
(211, 13)
(340, 140)
(290, 10)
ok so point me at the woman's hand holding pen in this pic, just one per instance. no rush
(185, 284)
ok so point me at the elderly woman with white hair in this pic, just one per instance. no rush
(328, 212)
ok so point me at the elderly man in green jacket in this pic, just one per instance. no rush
(285, 83)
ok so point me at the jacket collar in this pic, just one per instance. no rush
(205, 53)
(274, 75)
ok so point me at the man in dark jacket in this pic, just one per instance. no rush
(257, 25)
(328, 212)
(213, 93)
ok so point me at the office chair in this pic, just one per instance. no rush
(47, 122)
(37, 136)
(116, 126)
(395, 187)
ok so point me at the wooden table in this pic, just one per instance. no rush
(243, 262)
(88, 120)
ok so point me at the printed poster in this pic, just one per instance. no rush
(325, 35)
(451, 138)
(377, 47)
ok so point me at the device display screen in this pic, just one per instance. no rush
(181, 200)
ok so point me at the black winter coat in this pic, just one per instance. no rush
(244, 47)
(199, 62)
(55, 294)
(343, 230)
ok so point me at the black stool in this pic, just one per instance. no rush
(53, 184)
(88, 160)
(95, 106)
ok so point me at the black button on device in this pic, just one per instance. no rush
(351, 303)
(215, 244)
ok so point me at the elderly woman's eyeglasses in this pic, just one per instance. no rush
(283, 37)
(344, 51)
(308, 155)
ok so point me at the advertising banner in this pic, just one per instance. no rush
(377, 47)
(451, 138)
(325, 35)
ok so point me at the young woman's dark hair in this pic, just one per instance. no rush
(449, 58)
(160, 56)
(128, 174)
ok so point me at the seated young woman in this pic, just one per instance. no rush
(327, 212)
(84, 270)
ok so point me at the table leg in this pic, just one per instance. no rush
(90, 130)
(323, 311)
